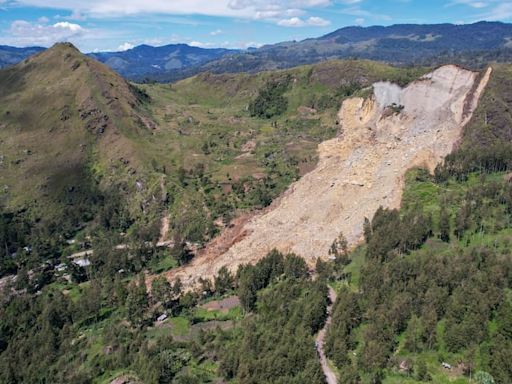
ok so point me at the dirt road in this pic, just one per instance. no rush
(329, 374)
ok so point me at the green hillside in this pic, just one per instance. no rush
(91, 161)
(87, 153)
(60, 113)
(70, 132)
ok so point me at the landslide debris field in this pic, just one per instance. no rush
(234, 164)
(380, 137)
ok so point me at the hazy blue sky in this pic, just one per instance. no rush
(121, 24)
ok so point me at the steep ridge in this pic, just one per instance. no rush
(63, 118)
(381, 137)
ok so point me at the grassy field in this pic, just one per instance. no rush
(200, 315)
(212, 110)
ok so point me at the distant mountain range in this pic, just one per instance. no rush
(396, 44)
(12, 55)
(145, 61)
(139, 63)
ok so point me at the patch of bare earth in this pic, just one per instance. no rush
(363, 168)
(223, 305)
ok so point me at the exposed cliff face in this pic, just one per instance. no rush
(380, 139)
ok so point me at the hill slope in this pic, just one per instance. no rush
(380, 138)
(69, 128)
(426, 298)
(85, 153)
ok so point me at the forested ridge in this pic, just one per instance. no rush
(431, 285)
(432, 291)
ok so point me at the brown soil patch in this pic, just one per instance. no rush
(223, 305)
(249, 146)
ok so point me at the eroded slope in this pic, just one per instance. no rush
(363, 168)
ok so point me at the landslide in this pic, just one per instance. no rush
(380, 138)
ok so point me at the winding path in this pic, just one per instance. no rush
(330, 376)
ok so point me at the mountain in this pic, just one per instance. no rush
(472, 45)
(12, 55)
(139, 63)
(145, 61)
(84, 151)
(301, 178)
(397, 44)
(408, 44)
(69, 128)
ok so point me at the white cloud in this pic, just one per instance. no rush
(251, 44)
(23, 33)
(201, 44)
(298, 22)
(216, 32)
(275, 14)
(292, 22)
(42, 20)
(125, 47)
(317, 22)
(478, 4)
(359, 21)
(65, 25)
(273, 10)
(502, 11)
(472, 3)
(226, 44)
(283, 4)
(76, 15)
